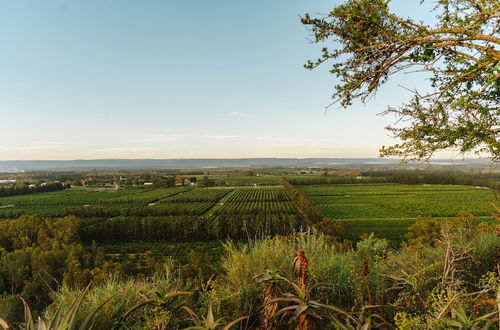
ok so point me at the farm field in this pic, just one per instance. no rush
(56, 203)
(51, 202)
(189, 214)
(389, 209)
(165, 214)
(254, 212)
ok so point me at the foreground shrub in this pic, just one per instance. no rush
(124, 295)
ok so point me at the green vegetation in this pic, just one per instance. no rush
(51, 202)
(25, 188)
(458, 48)
(146, 196)
(389, 209)
(157, 241)
(190, 213)
(449, 283)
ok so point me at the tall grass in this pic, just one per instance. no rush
(123, 294)
(401, 284)
(237, 293)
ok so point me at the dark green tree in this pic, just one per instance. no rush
(461, 51)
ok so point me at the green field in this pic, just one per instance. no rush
(388, 209)
(51, 202)
(242, 212)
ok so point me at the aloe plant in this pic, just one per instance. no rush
(270, 280)
(305, 311)
(60, 320)
(160, 301)
(464, 320)
(209, 322)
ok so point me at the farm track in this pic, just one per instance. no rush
(219, 203)
(169, 196)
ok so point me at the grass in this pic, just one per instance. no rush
(123, 295)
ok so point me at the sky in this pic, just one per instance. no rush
(94, 79)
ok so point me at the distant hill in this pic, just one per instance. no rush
(16, 166)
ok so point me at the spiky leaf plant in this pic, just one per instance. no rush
(61, 321)
(163, 306)
(160, 301)
(209, 322)
(305, 311)
(270, 279)
(466, 320)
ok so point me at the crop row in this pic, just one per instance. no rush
(64, 197)
(453, 198)
(259, 194)
(384, 189)
(113, 210)
(437, 209)
(256, 207)
(359, 211)
(390, 229)
(398, 201)
(199, 195)
(401, 210)
(149, 196)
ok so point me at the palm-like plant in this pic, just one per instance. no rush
(161, 303)
(464, 320)
(270, 280)
(305, 311)
(209, 322)
(61, 321)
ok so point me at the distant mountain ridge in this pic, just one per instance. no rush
(15, 166)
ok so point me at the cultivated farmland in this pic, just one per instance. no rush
(191, 214)
(388, 209)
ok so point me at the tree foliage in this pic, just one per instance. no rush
(461, 51)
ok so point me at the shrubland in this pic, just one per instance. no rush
(444, 276)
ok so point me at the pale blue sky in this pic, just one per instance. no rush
(174, 79)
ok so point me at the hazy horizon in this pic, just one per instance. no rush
(17, 166)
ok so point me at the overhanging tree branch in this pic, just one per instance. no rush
(462, 53)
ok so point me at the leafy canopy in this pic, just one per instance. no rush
(461, 51)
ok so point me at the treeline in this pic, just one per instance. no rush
(338, 180)
(11, 214)
(114, 210)
(309, 210)
(489, 180)
(25, 188)
(187, 228)
(409, 177)
(38, 255)
(151, 228)
(254, 226)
